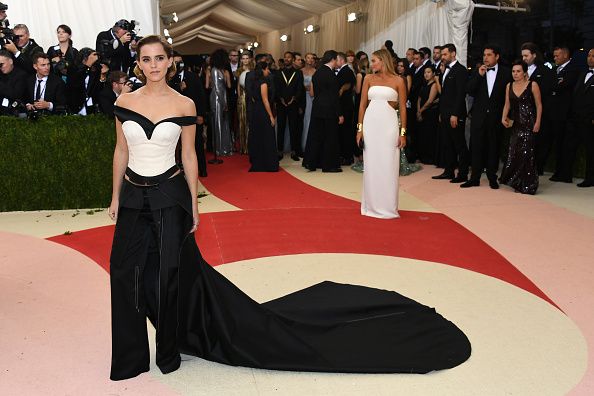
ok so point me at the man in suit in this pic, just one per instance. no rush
(346, 132)
(117, 84)
(487, 86)
(115, 44)
(544, 77)
(580, 128)
(188, 84)
(452, 113)
(325, 117)
(289, 88)
(83, 83)
(567, 73)
(46, 92)
(12, 85)
(24, 49)
(420, 59)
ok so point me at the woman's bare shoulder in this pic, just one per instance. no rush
(185, 104)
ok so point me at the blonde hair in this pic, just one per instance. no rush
(386, 58)
(155, 39)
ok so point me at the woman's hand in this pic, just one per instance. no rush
(419, 116)
(359, 138)
(505, 122)
(195, 218)
(536, 128)
(401, 142)
(272, 121)
(112, 211)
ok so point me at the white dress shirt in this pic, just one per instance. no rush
(447, 70)
(531, 70)
(43, 84)
(491, 76)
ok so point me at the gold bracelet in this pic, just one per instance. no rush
(402, 131)
(359, 127)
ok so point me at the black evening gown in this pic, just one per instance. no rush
(519, 170)
(428, 143)
(262, 138)
(157, 271)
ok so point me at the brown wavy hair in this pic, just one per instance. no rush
(168, 48)
(386, 58)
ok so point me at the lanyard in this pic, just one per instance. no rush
(285, 77)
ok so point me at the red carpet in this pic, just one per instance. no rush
(284, 216)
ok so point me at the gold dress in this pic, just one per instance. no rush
(242, 117)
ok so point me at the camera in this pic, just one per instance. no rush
(7, 34)
(60, 67)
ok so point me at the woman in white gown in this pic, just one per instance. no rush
(378, 128)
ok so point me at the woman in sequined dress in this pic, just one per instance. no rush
(524, 102)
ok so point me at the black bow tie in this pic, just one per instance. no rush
(448, 67)
(490, 69)
(590, 71)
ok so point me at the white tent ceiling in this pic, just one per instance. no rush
(210, 24)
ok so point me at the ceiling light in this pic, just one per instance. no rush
(256, 44)
(175, 18)
(169, 40)
(285, 37)
(241, 50)
(166, 32)
(354, 16)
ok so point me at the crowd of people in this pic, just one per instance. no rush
(267, 108)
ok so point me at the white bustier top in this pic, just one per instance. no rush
(151, 147)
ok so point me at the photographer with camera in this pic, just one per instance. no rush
(46, 92)
(188, 84)
(117, 84)
(63, 54)
(23, 48)
(12, 86)
(83, 82)
(118, 44)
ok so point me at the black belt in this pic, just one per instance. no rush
(151, 180)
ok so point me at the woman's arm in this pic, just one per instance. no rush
(207, 78)
(311, 89)
(188, 156)
(402, 97)
(227, 78)
(239, 89)
(408, 84)
(264, 92)
(120, 162)
(363, 107)
(504, 119)
(538, 102)
(359, 84)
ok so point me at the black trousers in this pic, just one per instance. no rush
(551, 137)
(288, 113)
(484, 147)
(144, 284)
(347, 136)
(323, 144)
(579, 131)
(456, 150)
(199, 145)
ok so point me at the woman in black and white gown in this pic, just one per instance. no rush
(378, 127)
(157, 271)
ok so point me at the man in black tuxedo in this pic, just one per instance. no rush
(46, 92)
(325, 117)
(544, 77)
(12, 85)
(420, 59)
(580, 127)
(346, 132)
(567, 73)
(289, 89)
(24, 49)
(452, 113)
(117, 84)
(487, 86)
(437, 59)
(115, 44)
(188, 84)
(83, 83)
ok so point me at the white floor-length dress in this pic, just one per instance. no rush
(381, 156)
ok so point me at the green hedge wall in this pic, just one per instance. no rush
(61, 162)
